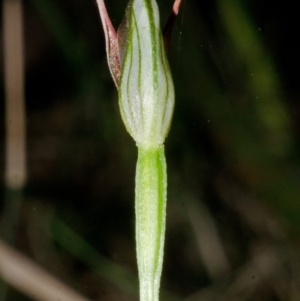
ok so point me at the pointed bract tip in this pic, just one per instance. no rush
(167, 31)
(111, 40)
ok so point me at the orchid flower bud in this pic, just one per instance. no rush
(139, 66)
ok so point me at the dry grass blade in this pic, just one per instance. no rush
(14, 94)
(27, 277)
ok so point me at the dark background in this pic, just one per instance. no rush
(232, 152)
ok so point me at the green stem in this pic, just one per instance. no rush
(150, 210)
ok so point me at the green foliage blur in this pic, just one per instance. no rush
(233, 219)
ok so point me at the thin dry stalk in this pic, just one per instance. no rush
(27, 277)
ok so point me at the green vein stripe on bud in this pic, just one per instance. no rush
(146, 92)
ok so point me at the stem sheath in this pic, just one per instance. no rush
(150, 210)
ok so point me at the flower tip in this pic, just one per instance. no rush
(167, 31)
(111, 41)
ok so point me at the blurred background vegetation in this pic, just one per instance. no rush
(233, 154)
